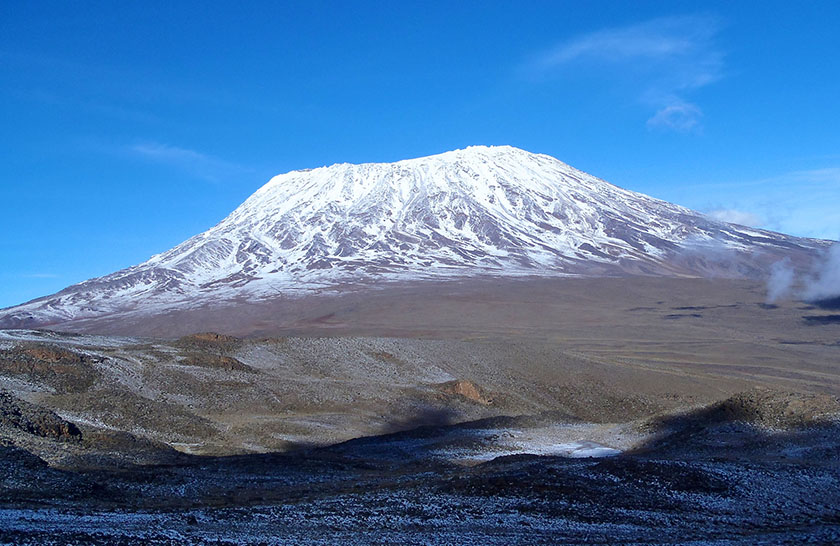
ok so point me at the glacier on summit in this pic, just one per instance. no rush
(480, 211)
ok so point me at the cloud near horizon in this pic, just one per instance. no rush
(672, 56)
(802, 203)
(734, 216)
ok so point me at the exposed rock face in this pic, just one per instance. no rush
(52, 354)
(60, 369)
(468, 390)
(21, 415)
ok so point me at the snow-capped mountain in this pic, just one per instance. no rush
(479, 211)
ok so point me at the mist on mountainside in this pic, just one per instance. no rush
(820, 285)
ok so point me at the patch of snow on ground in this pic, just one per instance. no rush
(559, 440)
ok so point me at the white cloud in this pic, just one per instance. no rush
(670, 56)
(681, 116)
(734, 216)
(195, 163)
(666, 38)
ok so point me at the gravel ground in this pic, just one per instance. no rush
(701, 478)
(536, 501)
(216, 440)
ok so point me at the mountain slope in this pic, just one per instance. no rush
(497, 211)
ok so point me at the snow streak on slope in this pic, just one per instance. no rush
(478, 211)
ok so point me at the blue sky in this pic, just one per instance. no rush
(129, 126)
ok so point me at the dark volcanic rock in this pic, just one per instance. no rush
(21, 415)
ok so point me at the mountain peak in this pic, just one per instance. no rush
(482, 210)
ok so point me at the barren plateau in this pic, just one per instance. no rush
(546, 410)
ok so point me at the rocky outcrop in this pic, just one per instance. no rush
(58, 368)
(31, 419)
(468, 390)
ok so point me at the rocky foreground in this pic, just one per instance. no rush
(758, 468)
(127, 441)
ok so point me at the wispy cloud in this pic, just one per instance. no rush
(38, 276)
(734, 216)
(668, 58)
(830, 175)
(197, 164)
(678, 116)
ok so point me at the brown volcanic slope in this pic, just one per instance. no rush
(681, 375)
(690, 325)
(594, 350)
